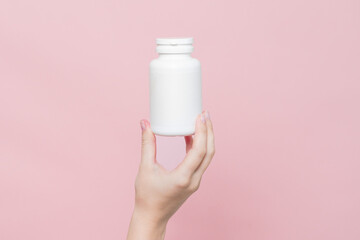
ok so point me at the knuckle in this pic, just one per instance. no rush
(211, 127)
(203, 129)
(183, 181)
(137, 183)
(200, 152)
(194, 187)
(212, 152)
(146, 141)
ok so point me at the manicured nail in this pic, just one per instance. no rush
(142, 124)
(202, 118)
(207, 115)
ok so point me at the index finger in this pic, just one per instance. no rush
(197, 152)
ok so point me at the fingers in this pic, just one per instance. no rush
(210, 151)
(148, 144)
(189, 142)
(197, 151)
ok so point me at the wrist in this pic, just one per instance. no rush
(144, 225)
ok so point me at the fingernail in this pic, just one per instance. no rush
(207, 115)
(202, 118)
(142, 124)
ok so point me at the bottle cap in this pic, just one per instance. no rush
(174, 45)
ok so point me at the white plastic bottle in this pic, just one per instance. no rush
(175, 88)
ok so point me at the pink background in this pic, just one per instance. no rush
(280, 79)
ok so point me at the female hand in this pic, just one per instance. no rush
(159, 192)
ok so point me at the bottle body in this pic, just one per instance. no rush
(175, 93)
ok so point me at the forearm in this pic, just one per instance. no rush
(143, 227)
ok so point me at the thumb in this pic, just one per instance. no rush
(148, 144)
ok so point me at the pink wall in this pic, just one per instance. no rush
(281, 81)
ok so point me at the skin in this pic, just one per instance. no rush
(159, 193)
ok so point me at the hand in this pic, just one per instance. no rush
(159, 192)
